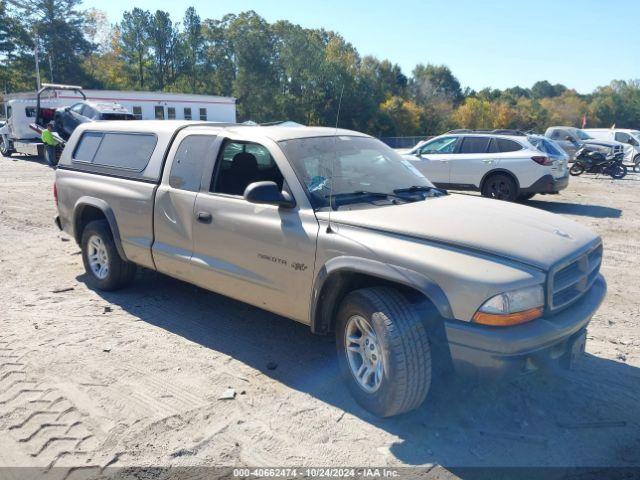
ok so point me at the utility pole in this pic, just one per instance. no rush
(38, 84)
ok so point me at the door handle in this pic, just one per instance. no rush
(204, 217)
(488, 160)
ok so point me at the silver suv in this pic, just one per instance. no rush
(335, 230)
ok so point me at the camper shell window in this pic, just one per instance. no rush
(114, 150)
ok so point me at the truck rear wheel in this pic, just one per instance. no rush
(6, 149)
(105, 268)
(383, 351)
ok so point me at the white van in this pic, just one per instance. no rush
(629, 137)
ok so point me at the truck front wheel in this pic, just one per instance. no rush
(383, 351)
(106, 270)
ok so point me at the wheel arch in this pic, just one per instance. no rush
(341, 275)
(496, 171)
(88, 209)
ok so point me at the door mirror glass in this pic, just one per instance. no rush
(268, 193)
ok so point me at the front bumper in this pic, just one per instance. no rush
(547, 184)
(500, 351)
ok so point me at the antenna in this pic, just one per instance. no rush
(333, 160)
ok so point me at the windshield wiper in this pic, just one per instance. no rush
(358, 194)
(419, 188)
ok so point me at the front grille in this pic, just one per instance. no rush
(569, 281)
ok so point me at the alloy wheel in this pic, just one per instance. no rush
(98, 257)
(364, 353)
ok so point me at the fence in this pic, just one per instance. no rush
(403, 142)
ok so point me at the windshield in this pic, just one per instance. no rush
(358, 166)
(582, 135)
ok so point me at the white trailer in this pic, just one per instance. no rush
(162, 105)
(27, 113)
(21, 110)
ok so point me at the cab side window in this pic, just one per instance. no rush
(242, 163)
(189, 162)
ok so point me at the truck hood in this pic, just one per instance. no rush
(604, 143)
(403, 151)
(524, 234)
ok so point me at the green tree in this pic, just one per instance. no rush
(134, 38)
(164, 40)
(255, 84)
(57, 26)
(544, 89)
(193, 43)
(218, 58)
(435, 81)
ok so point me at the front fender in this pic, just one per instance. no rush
(377, 269)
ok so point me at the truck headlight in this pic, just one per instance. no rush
(512, 308)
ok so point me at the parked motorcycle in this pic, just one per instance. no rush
(592, 161)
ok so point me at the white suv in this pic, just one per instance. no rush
(506, 167)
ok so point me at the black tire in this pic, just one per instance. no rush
(523, 197)
(618, 171)
(5, 149)
(404, 349)
(120, 273)
(501, 187)
(576, 169)
(636, 164)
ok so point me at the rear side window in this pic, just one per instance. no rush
(189, 162)
(505, 145)
(125, 151)
(87, 147)
(474, 145)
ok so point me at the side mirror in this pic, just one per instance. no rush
(268, 193)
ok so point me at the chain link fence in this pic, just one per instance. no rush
(403, 142)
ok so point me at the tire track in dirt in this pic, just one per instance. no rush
(42, 422)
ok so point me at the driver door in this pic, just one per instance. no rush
(260, 254)
(433, 159)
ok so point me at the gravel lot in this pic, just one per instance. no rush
(133, 378)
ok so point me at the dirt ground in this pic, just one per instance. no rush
(134, 378)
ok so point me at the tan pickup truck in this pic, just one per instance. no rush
(333, 229)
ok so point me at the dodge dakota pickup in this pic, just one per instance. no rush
(333, 229)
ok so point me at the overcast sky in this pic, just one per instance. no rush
(580, 43)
